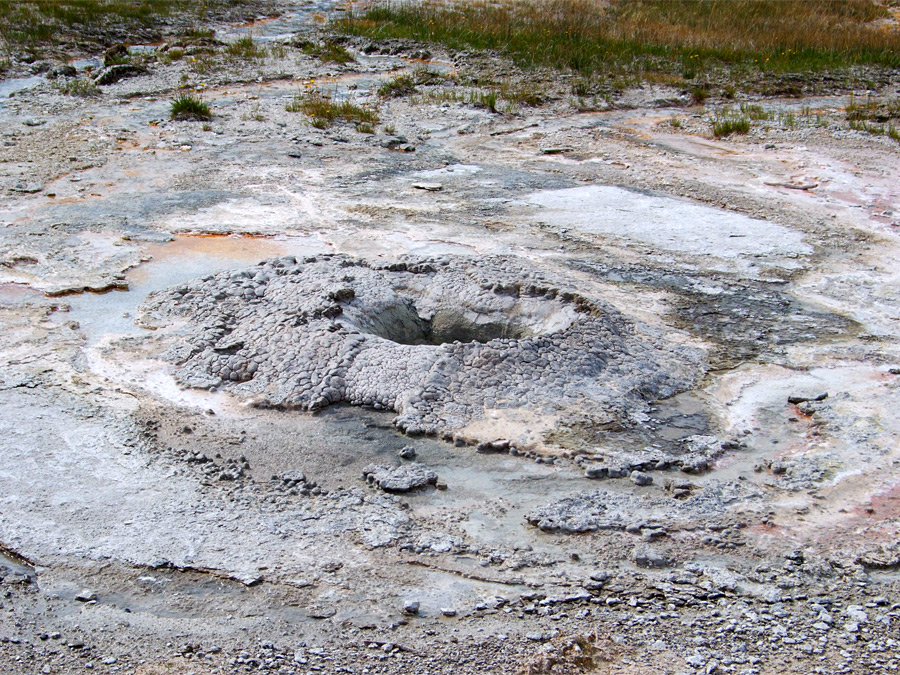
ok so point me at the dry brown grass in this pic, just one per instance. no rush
(651, 35)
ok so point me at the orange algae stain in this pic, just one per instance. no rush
(226, 246)
(881, 506)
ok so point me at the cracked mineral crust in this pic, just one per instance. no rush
(439, 341)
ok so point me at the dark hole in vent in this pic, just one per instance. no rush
(402, 324)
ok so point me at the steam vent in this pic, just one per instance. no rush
(440, 341)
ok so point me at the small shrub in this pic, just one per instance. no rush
(187, 107)
(365, 128)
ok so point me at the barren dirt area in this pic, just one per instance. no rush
(418, 381)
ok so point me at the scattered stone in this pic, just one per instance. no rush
(647, 556)
(394, 142)
(28, 187)
(428, 187)
(555, 151)
(641, 478)
(32, 122)
(320, 612)
(411, 607)
(64, 70)
(407, 452)
(795, 399)
(86, 595)
(448, 611)
(486, 447)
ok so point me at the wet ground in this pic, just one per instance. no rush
(150, 528)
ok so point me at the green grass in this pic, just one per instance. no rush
(687, 37)
(728, 124)
(755, 112)
(188, 107)
(37, 25)
(245, 48)
(402, 85)
(83, 87)
(326, 52)
(405, 84)
(324, 111)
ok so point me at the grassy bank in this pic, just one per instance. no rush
(689, 38)
(34, 26)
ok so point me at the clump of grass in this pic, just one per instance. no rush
(873, 109)
(639, 36)
(277, 50)
(402, 85)
(324, 111)
(188, 107)
(728, 124)
(405, 84)
(755, 112)
(82, 87)
(521, 94)
(888, 130)
(699, 94)
(172, 54)
(327, 52)
(245, 48)
(484, 99)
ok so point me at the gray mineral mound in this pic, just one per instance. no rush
(437, 340)
(606, 510)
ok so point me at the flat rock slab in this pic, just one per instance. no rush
(399, 478)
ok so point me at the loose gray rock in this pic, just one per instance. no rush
(804, 399)
(86, 595)
(64, 70)
(407, 452)
(641, 478)
(647, 556)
